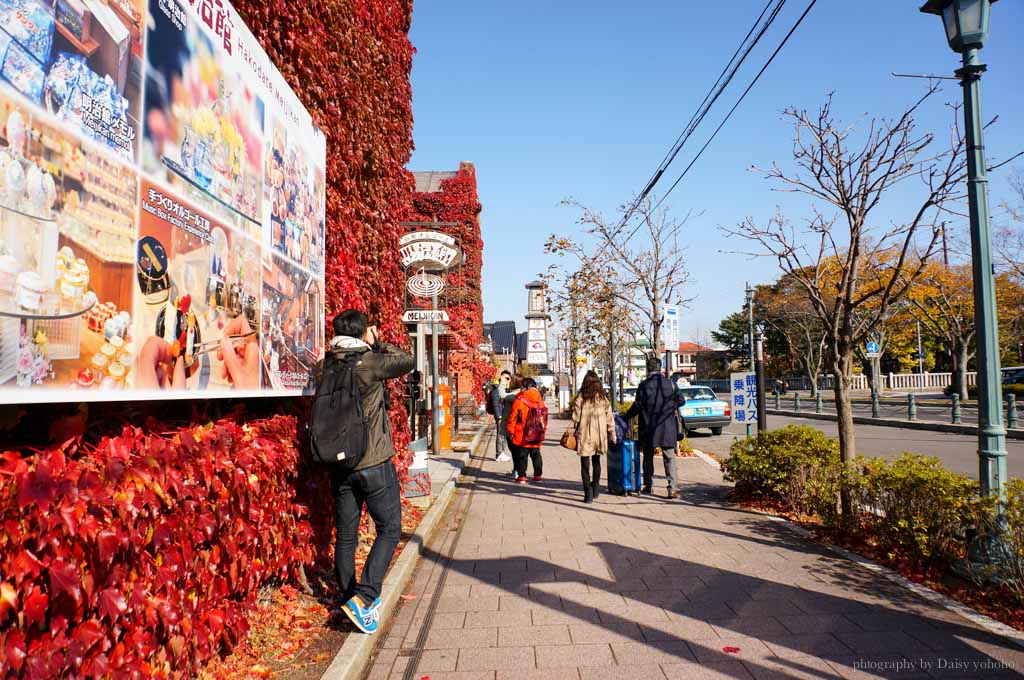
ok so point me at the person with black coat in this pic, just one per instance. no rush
(657, 405)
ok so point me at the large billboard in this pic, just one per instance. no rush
(162, 206)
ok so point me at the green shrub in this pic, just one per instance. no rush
(914, 507)
(797, 465)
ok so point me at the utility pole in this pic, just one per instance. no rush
(611, 366)
(762, 417)
(750, 323)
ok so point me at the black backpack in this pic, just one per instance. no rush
(338, 431)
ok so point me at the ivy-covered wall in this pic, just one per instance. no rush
(457, 202)
(136, 536)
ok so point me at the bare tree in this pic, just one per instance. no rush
(648, 262)
(1009, 239)
(787, 309)
(944, 301)
(853, 269)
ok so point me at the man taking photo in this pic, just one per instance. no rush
(352, 397)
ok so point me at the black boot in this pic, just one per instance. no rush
(588, 496)
(595, 490)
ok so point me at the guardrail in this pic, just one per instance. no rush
(890, 381)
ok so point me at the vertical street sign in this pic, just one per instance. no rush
(744, 397)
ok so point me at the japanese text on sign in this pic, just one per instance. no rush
(744, 397)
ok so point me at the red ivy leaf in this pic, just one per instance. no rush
(35, 606)
(37, 487)
(14, 649)
(88, 633)
(26, 564)
(112, 603)
(66, 578)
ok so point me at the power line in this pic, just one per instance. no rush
(760, 26)
(733, 109)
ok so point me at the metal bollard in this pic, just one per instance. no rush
(817, 404)
(874, 404)
(911, 407)
(796, 402)
(778, 401)
(957, 418)
(1011, 411)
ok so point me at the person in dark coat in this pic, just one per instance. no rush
(657, 404)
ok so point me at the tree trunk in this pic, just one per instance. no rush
(960, 370)
(844, 420)
(812, 375)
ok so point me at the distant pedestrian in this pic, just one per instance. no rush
(527, 427)
(657, 404)
(496, 398)
(594, 424)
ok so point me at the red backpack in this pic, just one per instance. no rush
(535, 426)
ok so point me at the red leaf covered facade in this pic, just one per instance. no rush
(134, 548)
(456, 201)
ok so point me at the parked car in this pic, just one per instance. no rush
(703, 408)
(1013, 375)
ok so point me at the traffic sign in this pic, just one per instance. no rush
(872, 349)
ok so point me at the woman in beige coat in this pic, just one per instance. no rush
(595, 427)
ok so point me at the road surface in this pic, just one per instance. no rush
(957, 452)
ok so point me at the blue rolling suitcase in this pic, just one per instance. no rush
(623, 463)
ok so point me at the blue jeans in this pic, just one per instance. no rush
(377, 487)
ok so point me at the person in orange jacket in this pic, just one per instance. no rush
(527, 427)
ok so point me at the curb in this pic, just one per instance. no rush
(977, 618)
(932, 426)
(350, 661)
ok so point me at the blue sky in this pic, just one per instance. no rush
(583, 98)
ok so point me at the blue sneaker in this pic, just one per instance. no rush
(367, 619)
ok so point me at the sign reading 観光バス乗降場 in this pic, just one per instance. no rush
(743, 397)
(163, 206)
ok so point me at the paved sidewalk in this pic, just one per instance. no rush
(540, 585)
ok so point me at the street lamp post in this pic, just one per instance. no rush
(966, 23)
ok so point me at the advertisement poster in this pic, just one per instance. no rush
(162, 206)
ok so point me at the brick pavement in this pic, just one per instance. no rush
(540, 585)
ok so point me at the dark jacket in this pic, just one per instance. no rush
(657, 403)
(387, 362)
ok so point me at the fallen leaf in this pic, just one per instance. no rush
(407, 597)
(260, 671)
(731, 650)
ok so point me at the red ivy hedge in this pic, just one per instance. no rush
(143, 555)
(458, 202)
(140, 557)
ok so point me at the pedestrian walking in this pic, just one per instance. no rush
(657, 405)
(352, 431)
(497, 407)
(594, 425)
(527, 427)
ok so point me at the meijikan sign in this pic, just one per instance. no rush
(429, 250)
(425, 316)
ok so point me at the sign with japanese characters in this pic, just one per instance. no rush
(162, 206)
(743, 397)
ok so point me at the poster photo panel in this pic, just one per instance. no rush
(203, 120)
(197, 308)
(147, 150)
(292, 324)
(67, 229)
